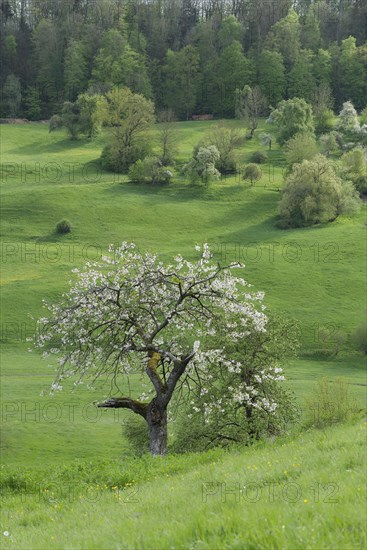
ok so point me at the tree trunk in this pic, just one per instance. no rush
(157, 424)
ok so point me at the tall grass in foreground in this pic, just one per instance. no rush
(297, 493)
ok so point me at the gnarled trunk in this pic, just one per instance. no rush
(156, 418)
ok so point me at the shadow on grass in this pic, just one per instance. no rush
(37, 147)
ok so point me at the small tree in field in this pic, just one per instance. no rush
(130, 314)
(252, 173)
(266, 139)
(250, 105)
(167, 136)
(292, 117)
(202, 165)
(69, 119)
(129, 116)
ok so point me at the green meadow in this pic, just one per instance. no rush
(48, 445)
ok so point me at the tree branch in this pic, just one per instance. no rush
(125, 403)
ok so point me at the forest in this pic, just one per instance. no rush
(189, 56)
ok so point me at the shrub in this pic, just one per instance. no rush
(301, 147)
(202, 165)
(150, 170)
(119, 160)
(361, 185)
(252, 173)
(226, 140)
(324, 122)
(354, 163)
(259, 157)
(359, 338)
(313, 193)
(63, 226)
(329, 403)
(329, 143)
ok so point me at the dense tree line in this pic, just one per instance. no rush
(186, 55)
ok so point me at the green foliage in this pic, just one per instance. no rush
(63, 226)
(252, 173)
(230, 30)
(117, 157)
(181, 71)
(250, 105)
(347, 122)
(266, 139)
(300, 147)
(130, 116)
(32, 103)
(187, 57)
(167, 137)
(226, 140)
(359, 338)
(91, 109)
(285, 37)
(69, 119)
(150, 170)
(314, 193)
(324, 121)
(363, 116)
(234, 70)
(329, 143)
(322, 68)
(272, 79)
(322, 103)
(117, 63)
(328, 403)
(292, 117)
(11, 96)
(202, 166)
(236, 423)
(75, 70)
(301, 82)
(259, 157)
(355, 165)
(352, 72)
(48, 63)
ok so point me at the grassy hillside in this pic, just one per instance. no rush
(316, 275)
(299, 493)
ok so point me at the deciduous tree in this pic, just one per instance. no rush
(130, 314)
(292, 117)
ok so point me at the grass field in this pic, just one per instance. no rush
(316, 275)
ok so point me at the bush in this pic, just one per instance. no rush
(259, 157)
(359, 338)
(226, 141)
(300, 147)
(63, 226)
(252, 173)
(354, 163)
(361, 185)
(203, 164)
(328, 404)
(313, 193)
(329, 143)
(150, 170)
(119, 160)
(324, 122)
